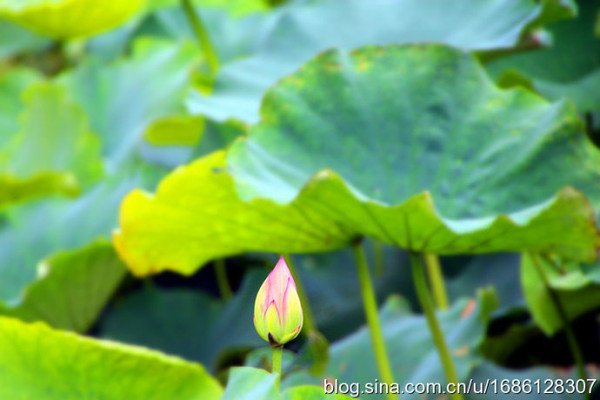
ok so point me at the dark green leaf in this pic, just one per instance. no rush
(301, 31)
(430, 127)
(411, 351)
(201, 329)
(570, 67)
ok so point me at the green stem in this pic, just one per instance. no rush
(434, 325)
(436, 279)
(370, 305)
(378, 257)
(202, 35)
(277, 352)
(308, 318)
(562, 314)
(222, 281)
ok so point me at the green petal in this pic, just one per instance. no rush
(273, 323)
(292, 316)
(260, 322)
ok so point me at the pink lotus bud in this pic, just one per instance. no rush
(277, 310)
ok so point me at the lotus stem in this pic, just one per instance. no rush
(277, 352)
(370, 305)
(222, 281)
(309, 319)
(562, 314)
(435, 328)
(436, 279)
(202, 36)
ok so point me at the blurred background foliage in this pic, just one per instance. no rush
(100, 98)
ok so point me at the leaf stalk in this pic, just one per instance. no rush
(370, 305)
(222, 281)
(436, 279)
(202, 36)
(435, 328)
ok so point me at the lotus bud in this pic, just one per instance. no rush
(277, 310)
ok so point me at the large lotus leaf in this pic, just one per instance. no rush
(577, 289)
(54, 151)
(392, 129)
(72, 288)
(303, 131)
(570, 67)
(202, 328)
(64, 19)
(247, 383)
(412, 354)
(35, 231)
(124, 97)
(300, 31)
(39, 363)
(196, 216)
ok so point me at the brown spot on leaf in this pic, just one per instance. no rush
(461, 351)
(468, 309)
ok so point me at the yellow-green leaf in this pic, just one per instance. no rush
(175, 131)
(67, 19)
(40, 363)
(197, 216)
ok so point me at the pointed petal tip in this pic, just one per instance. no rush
(281, 270)
(281, 263)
